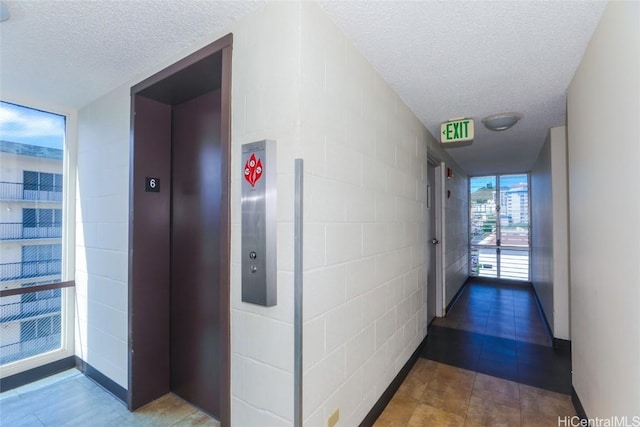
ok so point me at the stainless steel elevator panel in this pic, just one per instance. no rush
(259, 198)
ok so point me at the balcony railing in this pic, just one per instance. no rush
(21, 191)
(30, 269)
(28, 348)
(21, 310)
(18, 231)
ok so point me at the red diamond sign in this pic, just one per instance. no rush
(253, 170)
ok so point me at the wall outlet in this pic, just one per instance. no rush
(333, 419)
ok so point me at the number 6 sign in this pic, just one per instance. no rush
(152, 184)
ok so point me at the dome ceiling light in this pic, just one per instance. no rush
(502, 121)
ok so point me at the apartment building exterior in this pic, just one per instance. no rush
(30, 248)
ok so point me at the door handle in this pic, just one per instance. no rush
(435, 241)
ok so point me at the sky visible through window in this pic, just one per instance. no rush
(29, 126)
(506, 181)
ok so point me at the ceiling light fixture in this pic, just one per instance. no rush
(4, 12)
(502, 121)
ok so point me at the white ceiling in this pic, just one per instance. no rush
(445, 59)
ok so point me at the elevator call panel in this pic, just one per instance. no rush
(259, 210)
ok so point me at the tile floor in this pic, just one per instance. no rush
(490, 362)
(499, 331)
(71, 399)
(435, 394)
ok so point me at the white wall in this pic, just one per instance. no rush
(102, 245)
(265, 105)
(456, 233)
(365, 227)
(604, 205)
(365, 166)
(550, 233)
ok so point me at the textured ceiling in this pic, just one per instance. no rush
(445, 59)
(71, 52)
(449, 59)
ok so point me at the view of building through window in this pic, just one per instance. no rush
(499, 222)
(31, 178)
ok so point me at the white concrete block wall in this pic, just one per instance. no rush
(102, 239)
(265, 103)
(365, 160)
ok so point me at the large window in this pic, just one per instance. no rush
(499, 226)
(34, 323)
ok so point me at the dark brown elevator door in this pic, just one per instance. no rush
(195, 251)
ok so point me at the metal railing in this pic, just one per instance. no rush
(507, 263)
(17, 310)
(29, 269)
(18, 231)
(31, 320)
(36, 192)
(28, 348)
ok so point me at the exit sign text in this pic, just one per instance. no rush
(456, 131)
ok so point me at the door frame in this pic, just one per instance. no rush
(438, 187)
(148, 376)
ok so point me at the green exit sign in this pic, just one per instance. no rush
(456, 131)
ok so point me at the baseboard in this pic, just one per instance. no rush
(544, 316)
(384, 400)
(578, 405)
(560, 344)
(456, 297)
(38, 373)
(102, 380)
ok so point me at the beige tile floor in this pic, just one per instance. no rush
(71, 399)
(435, 394)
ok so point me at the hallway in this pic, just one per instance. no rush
(363, 100)
(489, 362)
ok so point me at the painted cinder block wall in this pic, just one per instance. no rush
(604, 215)
(365, 212)
(102, 243)
(298, 80)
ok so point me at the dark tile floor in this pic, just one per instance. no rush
(497, 330)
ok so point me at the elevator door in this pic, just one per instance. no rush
(195, 251)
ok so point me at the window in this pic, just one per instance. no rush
(42, 260)
(36, 315)
(42, 185)
(499, 226)
(41, 223)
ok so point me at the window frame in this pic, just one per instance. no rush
(68, 176)
(501, 200)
